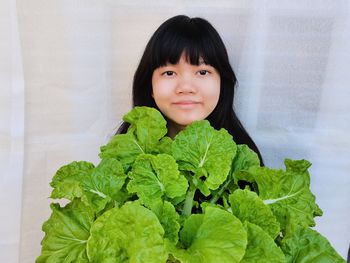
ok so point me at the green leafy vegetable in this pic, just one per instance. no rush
(305, 245)
(67, 232)
(261, 247)
(95, 186)
(205, 152)
(215, 236)
(131, 233)
(288, 195)
(145, 135)
(153, 177)
(197, 198)
(247, 206)
(67, 181)
(245, 158)
(169, 219)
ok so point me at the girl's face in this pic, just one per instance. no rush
(185, 93)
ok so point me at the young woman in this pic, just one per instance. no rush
(185, 73)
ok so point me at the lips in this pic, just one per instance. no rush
(186, 102)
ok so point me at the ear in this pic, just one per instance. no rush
(152, 94)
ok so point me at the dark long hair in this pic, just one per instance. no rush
(197, 38)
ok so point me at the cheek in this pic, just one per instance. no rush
(161, 98)
(158, 94)
(162, 91)
(156, 85)
(212, 102)
(213, 93)
(156, 91)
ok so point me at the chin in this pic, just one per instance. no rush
(187, 122)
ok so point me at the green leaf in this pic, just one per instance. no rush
(215, 236)
(298, 166)
(306, 245)
(131, 233)
(96, 187)
(247, 206)
(244, 158)
(66, 181)
(149, 124)
(261, 247)
(105, 183)
(147, 128)
(169, 219)
(153, 177)
(123, 147)
(66, 233)
(288, 195)
(206, 152)
(164, 146)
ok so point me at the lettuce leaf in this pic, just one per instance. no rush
(247, 206)
(288, 195)
(66, 181)
(156, 176)
(305, 245)
(95, 186)
(168, 218)
(215, 236)
(66, 233)
(205, 152)
(261, 247)
(131, 233)
(145, 135)
(244, 158)
(148, 125)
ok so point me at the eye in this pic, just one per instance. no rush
(203, 72)
(168, 73)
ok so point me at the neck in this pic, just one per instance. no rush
(174, 129)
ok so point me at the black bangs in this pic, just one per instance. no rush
(189, 38)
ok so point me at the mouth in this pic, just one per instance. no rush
(186, 104)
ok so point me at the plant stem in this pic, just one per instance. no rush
(187, 208)
(216, 197)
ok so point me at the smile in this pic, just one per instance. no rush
(186, 104)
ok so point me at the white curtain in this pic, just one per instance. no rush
(12, 133)
(66, 69)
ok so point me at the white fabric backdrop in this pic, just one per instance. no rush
(66, 69)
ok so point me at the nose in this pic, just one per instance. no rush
(185, 85)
